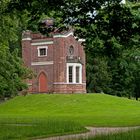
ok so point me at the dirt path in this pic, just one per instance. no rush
(93, 131)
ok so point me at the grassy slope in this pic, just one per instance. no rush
(86, 109)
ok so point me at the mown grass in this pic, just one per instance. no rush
(60, 114)
(37, 128)
(130, 135)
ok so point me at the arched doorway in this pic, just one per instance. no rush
(43, 87)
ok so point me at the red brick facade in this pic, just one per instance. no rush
(51, 59)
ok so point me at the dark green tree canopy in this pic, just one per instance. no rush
(111, 30)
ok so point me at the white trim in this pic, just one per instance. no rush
(74, 74)
(28, 38)
(58, 83)
(84, 84)
(29, 84)
(80, 74)
(42, 63)
(42, 47)
(81, 40)
(62, 35)
(42, 43)
(74, 65)
(63, 83)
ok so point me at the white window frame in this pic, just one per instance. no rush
(74, 65)
(42, 47)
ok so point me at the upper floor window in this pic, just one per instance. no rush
(42, 51)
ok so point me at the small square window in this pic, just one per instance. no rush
(42, 51)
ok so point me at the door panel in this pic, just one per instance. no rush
(43, 83)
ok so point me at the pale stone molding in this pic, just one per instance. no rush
(42, 63)
(63, 35)
(63, 83)
(81, 40)
(42, 43)
(28, 38)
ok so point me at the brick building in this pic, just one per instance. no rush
(58, 62)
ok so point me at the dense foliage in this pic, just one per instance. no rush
(115, 39)
(112, 43)
(12, 71)
(111, 30)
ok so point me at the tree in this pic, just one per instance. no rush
(12, 71)
(110, 28)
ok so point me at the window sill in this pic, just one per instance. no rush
(75, 83)
(42, 56)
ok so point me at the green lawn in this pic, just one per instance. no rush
(53, 114)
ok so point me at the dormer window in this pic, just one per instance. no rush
(42, 51)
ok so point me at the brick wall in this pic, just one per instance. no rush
(58, 51)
